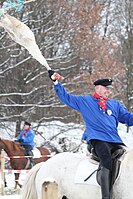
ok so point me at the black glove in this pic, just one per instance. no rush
(20, 140)
(51, 72)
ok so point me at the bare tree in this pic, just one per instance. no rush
(67, 36)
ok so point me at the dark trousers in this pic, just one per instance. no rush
(28, 149)
(104, 151)
(28, 152)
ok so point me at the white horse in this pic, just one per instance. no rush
(62, 169)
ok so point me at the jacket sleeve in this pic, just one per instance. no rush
(20, 135)
(124, 116)
(70, 100)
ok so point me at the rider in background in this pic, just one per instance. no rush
(26, 139)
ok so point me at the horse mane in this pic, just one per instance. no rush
(15, 145)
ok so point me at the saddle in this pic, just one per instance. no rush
(116, 162)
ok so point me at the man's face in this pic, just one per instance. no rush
(103, 91)
(26, 127)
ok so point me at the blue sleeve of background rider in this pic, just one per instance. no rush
(70, 100)
(20, 135)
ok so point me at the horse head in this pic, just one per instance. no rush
(2, 146)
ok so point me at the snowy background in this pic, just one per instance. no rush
(55, 132)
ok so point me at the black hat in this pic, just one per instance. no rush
(104, 82)
(27, 123)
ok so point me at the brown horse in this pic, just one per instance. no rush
(14, 149)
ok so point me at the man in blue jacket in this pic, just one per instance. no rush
(101, 116)
(26, 139)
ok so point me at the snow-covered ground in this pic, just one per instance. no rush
(11, 197)
(71, 131)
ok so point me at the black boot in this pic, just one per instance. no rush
(105, 183)
(31, 162)
(30, 153)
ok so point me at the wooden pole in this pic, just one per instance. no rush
(50, 190)
(2, 172)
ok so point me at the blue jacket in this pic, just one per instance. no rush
(101, 125)
(28, 139)
(85, 137)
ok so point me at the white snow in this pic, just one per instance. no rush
(10, 197)
(71, 131)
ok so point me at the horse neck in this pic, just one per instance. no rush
(9, 148)
(128, 160)
(127, 165)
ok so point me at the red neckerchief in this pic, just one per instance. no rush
(102, 101)
(25, 132)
